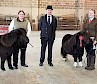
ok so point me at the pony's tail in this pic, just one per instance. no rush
(62, 50)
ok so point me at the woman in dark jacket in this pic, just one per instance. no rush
(90, 26)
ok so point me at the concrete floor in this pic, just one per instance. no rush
(61, 73)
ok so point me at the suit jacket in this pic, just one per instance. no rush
(90, 28)
(48, 31)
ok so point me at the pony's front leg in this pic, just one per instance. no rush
(80, 61)
(9, 62)
(75, 61)
(2, 63)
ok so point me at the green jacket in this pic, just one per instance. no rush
(90, 28)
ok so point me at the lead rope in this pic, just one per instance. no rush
(31, 44)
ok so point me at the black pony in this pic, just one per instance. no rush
(74, 45)
(8, 41)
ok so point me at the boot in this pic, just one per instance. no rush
(92, 66)
(88, 62)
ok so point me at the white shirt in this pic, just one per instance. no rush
(90, 19)
(50, 18)
(11, 27)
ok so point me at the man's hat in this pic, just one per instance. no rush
(49, 7)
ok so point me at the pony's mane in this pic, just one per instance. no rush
(10, 38)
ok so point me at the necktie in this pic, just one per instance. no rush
(90, 21)
(48, 19)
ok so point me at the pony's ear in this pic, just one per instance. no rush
(8, 39)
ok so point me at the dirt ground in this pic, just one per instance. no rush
(61, 73)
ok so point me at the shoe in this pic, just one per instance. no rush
(10, 67)
(25, 65)
(86, 67)
(3, 69)
(89, 68)
(50, 64)
(15, 67)
(41, 64)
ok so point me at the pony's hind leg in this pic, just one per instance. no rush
(75, 61)
(64, 54)
(80, 61)
(2, 63)
(65, 58)
(9, 62)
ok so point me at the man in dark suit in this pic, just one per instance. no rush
(48, 24)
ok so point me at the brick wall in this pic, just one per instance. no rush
(91, 4)
(37, 7)
(19, 3)
(57, 4)
(60, 4)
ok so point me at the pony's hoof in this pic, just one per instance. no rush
(65, 59)
(80, 64)
(75, 64)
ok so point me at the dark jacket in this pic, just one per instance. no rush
(47, 30)
(91, 28)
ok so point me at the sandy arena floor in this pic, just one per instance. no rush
(61, 73)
